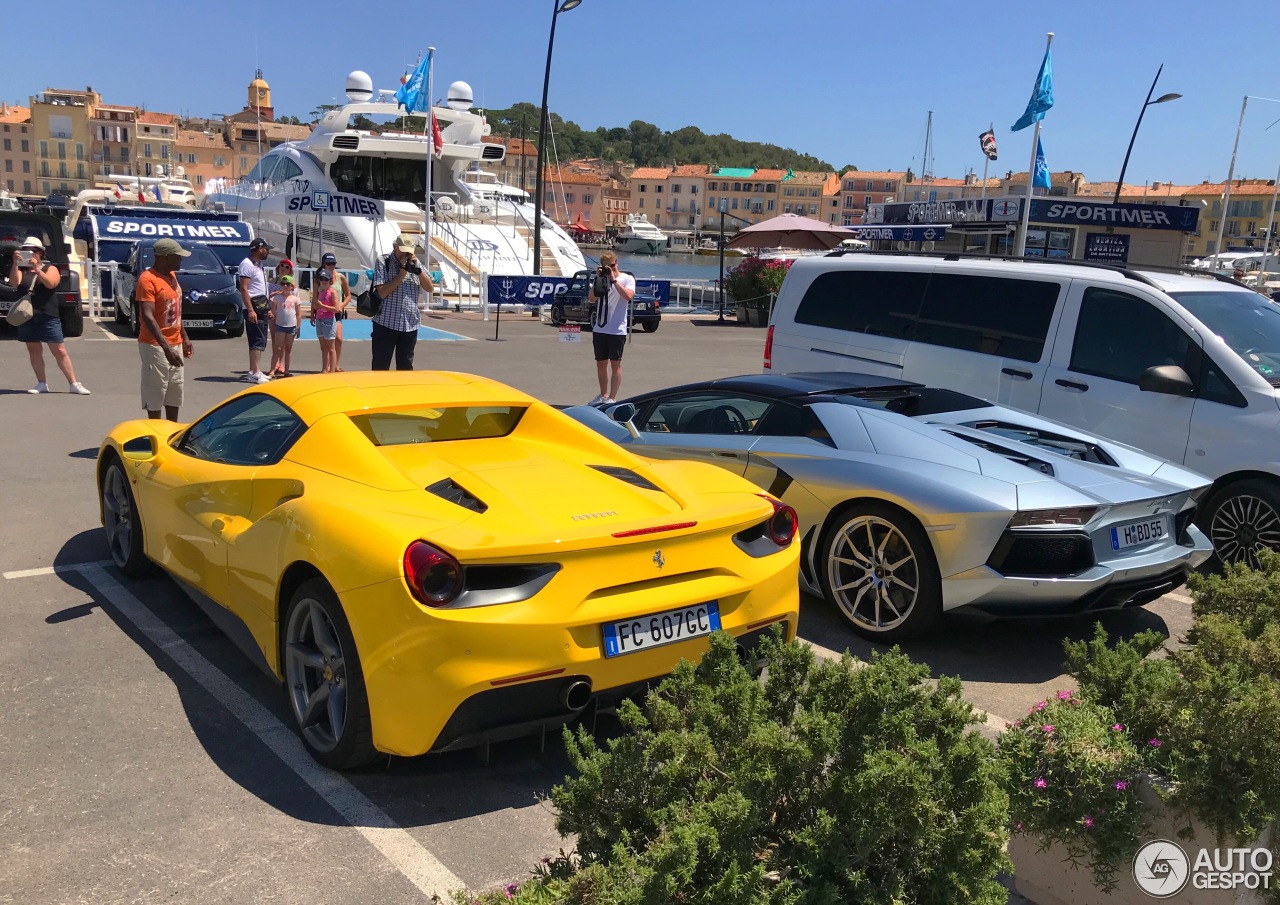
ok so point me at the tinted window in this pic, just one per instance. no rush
(201, 259)
(787, 420)
(991, 315)
(704, 413)
(876, 302)
(1119, 336)
(250, 430)
(435, 425)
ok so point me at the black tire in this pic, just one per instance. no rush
(121, 522)
(317, 669)
(557, 315)
(72, 317)
(650, 325)
(235, 332)
(1240, 519)
(134, 328)
(120, 316)
(901, 574)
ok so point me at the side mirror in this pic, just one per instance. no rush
(623, 412)
(1168, 379)
(139, 449)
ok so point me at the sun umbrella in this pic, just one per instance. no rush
(791, 231)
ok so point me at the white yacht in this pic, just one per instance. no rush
(375, 184)
(641, 237)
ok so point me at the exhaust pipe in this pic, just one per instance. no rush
(576, 695)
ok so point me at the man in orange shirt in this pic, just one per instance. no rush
(162, 339)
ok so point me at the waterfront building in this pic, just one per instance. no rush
(154, 147)
(203, 156)
(686, 189)
(17, 150)
(114, 131)
(801, 191)
(615, 204)
(649, 193)
(569, 197)
(62, 130)
(861, 189)
(831, 200)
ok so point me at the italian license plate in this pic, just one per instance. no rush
(644, 632)
(1135, 534)
(206, 322)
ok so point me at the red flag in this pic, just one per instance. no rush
(437, 139)
(142, 198)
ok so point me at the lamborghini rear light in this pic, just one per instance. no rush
(782, 525)
(1053, 518)
(434, 577)
(768, 349)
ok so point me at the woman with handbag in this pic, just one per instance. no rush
(41, 279)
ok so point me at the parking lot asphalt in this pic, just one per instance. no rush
(143, 758)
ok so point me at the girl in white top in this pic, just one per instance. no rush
(284, 316)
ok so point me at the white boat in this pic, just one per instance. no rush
(641, 237)
(375, 185)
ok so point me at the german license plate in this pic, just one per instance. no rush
(206, 322)
(1135, 534)
(668, 627)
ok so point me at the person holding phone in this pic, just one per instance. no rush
(611, 291)
(31, 271)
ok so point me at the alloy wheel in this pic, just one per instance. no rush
(873, 573)
(1243, 525)
(117, 509)
(315, 670)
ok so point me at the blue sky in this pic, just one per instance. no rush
(848, 82)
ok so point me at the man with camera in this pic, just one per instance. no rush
(611, 291)
(395, 326)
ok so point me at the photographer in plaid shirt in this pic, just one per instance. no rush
(395, 326)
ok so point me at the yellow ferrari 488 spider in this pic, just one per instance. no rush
(430, 561)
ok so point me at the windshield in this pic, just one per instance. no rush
(383, 178)
(201, 260)
(1245, 321)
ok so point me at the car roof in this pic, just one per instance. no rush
(800, 383)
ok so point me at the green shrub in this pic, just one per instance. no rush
(823, 784)
(753, 281)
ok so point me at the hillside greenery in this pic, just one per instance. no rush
(646, 145)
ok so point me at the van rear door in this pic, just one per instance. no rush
(989, 335)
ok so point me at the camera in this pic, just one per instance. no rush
(412, 266)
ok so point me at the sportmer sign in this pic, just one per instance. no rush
(1133, 216)
(1046, 211)
(1162, 869)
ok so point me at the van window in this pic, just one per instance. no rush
(992, 315)
(1119, 336)
(876, 302)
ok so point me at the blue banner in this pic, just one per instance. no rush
(1132, 216)
(212, 232)
(537, 291)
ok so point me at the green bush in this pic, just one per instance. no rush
(825, 783)
(753, 281)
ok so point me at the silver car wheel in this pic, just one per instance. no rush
(117, 511)
(316, 673)
(873, 573)
(1242, 526)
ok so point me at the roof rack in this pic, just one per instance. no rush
(1128, 272)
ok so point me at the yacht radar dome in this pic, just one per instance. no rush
(460, 96)
(359, 87)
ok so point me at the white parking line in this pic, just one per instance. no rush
(404, 852)
(110, 335)
(52, 570)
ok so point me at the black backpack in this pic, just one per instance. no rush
(369, 303)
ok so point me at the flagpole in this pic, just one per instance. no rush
(431, 156)
(1020, 248)
(986, 162)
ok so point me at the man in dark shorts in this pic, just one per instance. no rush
(609, 326)
(252, 281)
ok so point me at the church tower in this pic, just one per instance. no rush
(260, 98)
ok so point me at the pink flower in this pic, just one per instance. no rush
(1121, 786)
(1154, 743)
(1018, 828)
(1048, 728)
(1118, 727)
(1041, 706)
(1064, 695)
(1088, 822)
(1041, 783)
(511, 889)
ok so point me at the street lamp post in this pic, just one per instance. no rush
(1231, 172)
(1160, 100)
(558, 8)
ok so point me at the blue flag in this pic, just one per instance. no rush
(1041, 95)
(411, 94)
(156, 190)
(1040, 179)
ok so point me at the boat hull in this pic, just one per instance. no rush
(633, 245)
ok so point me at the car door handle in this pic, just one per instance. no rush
(1017, 372)
(1072, 384)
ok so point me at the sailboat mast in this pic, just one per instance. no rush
(928, 148)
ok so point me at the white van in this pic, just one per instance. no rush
(1183, 365)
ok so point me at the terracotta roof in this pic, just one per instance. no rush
(1059, 176)
(832, 184)
(943, 181)
(807, 177)
(157, 119)
(1248, 187)
(651, 173)
(14, 114)
(874, 174)
(189, 138)
(285, 131)
(692, 169)
(568, 177)
(767, 175)
(116, 108)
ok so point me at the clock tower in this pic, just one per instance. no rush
(260, 98)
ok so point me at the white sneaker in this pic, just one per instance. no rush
(249, 376)
(39, 388)
(261, 378)
(78, 389)
(599, 400)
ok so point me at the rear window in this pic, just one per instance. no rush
(14, 228)
(437, 425)
(875, 302)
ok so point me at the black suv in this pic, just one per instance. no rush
(16, 226)
(570, 305)
(210, 298)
